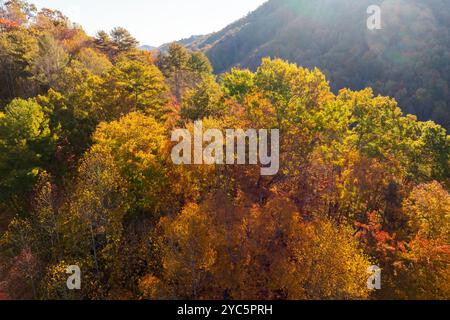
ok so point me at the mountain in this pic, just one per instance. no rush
(148, 48)
(409, 58)
(188, 42)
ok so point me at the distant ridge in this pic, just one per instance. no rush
(148, 48)
(187, 42)
(409, 59)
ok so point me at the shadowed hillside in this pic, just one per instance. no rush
(408, 59)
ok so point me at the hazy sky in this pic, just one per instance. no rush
(153, 22)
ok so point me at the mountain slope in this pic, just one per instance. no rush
(148, 48)
(408, 59)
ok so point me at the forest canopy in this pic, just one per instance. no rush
(86, 177)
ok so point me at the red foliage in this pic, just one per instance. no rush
(3, 296)
(377, 241)
(7, 25)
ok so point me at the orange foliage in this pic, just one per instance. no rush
(7, 25)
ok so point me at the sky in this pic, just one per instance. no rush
(153, 22)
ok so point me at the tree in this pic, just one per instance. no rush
(182, 68)
(134, 86)
(19, 261)
(174, 66)
(103, 43)
(93, 223)
(87, 179)
(117, 42)
(26, 147)
(205, 100)
(237, 83)
(77, 107)
(50, 63)
(18, 50)
(430, 152)
(123, 40)
(94, 61)
(199, 63)
(53, 22)
(25, 245)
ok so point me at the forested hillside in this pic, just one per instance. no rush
(409, 59)
(86, 176)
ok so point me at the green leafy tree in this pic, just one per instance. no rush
(205, 100)
(134, 86)
(199, 63)
(237, 83)
(18, 50)
(50, 63)
(103, 43)
(123, 40)
(27, 146)
(182, 68)
(117, 42)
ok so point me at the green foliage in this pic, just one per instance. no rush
(182, 69)
(122, 40)
(134, 86)
(199, 63)
(51, 61)
(94, 61)
(205, 100)
(18, 49)
(18, 11)
(117, 42)
(26, 147)
(76, 109)
(136, 142)
(237, 83)
(428, 210)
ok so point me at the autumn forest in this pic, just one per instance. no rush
(87, 179)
